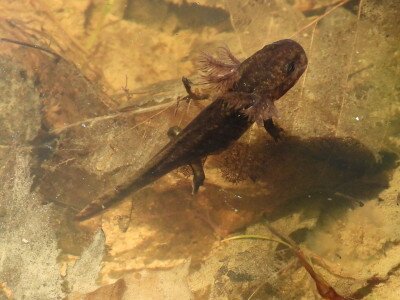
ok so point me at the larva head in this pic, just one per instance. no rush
(273, 70)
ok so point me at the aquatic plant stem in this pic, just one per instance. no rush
(325, 290)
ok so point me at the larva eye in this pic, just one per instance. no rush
(290, 67)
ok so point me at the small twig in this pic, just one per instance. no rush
(92, 121)
(126, 90)
(30, 46)
(317, 9)
(350, 198)
(320, 17)
(361, 70)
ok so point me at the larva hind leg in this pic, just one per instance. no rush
(196, 166)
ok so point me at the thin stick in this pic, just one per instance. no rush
(320, 17)
(30, 46)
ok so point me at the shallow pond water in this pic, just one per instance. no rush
(88, 91)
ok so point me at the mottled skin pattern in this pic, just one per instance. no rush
(262, 78)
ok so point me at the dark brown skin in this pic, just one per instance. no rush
(247, 92)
